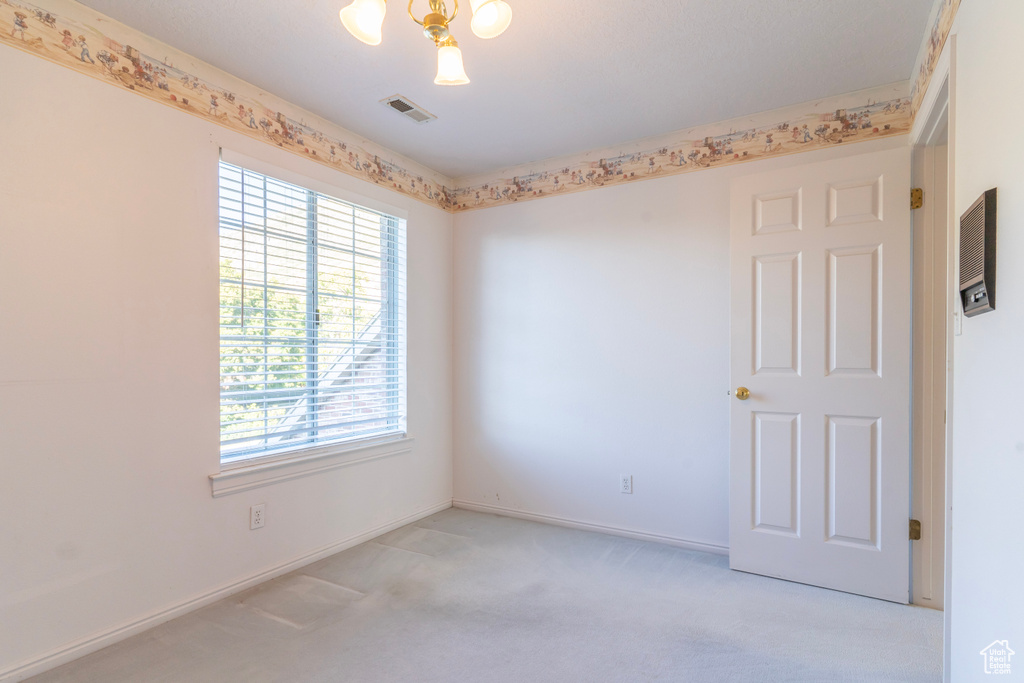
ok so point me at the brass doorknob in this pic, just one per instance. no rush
(743, 393)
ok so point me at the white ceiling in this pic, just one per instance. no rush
(568, 75)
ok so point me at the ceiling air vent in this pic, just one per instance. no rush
(403, 106)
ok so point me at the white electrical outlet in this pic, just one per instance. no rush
(257, 516)
(626, 483)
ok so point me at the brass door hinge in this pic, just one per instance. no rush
(915, 530)
(916, 198)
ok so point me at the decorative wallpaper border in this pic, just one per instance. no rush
(855, 117)
(74, 36)
(936, 40)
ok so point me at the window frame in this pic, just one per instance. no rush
(248, 470)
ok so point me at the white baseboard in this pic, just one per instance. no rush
(589, 526)
(89, 644)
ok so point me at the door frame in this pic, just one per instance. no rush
(930, 159)
(940, 101)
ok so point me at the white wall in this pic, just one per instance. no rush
(988, 430)
(108, 371)
(592, 340)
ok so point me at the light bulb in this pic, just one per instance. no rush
(364, 18)
(490, 17)
(450, 70)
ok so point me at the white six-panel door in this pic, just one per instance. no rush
(821, 324)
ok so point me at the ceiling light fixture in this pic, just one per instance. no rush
(364, 19)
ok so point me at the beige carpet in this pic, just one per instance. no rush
(463, 596)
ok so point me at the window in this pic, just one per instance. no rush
(312, 330)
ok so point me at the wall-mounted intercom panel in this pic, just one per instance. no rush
(978, 256)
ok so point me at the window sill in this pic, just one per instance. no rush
(304, 463)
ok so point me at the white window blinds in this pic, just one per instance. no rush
(312, 318)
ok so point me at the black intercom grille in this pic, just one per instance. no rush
(972, 246)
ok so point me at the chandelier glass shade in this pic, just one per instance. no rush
(450, 70)
(364, 19)
(490, 17)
